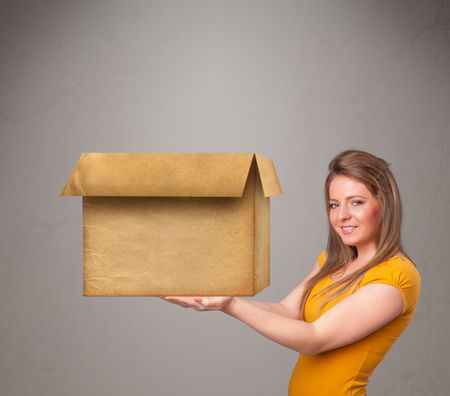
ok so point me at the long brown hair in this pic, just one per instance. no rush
(374, 172)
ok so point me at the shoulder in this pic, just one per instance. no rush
(401, 273)
(398, 268)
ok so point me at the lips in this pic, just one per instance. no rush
(348, 229)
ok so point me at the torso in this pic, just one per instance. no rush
(347, 369)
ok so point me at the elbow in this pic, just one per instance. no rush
(311, 350)
(307, 351)
(321, 348)
(314, 352)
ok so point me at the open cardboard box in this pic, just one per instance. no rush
(157, 224)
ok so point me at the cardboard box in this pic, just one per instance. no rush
(174, 223)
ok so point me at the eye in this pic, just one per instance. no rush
(358, 201)
(331, 205)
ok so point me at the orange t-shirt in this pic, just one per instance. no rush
(345, 371)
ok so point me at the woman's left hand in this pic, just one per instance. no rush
(200, 303)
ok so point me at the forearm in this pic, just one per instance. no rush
(271, 307)
(291, 333)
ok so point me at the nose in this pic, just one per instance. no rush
(344, 213)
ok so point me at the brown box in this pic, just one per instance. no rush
(174, 223)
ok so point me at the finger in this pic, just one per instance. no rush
(198, 303)
(175, 300)
(179, 299)
(185, 302)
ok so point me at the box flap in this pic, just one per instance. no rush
(159, 174)
(269, 179)
(168, 175)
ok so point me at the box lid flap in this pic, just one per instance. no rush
(269, 179)
(167, 174)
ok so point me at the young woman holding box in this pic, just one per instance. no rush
(360, 295)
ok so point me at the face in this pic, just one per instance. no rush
(353, 211)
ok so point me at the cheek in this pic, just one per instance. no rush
(332, 217)
(367, 216)
(372, 216)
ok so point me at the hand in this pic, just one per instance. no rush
(200, 303)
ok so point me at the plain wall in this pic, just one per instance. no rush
(296, 81)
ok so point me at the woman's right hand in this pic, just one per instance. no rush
(200, 303)
(185, 302)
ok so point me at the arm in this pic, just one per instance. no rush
(268, 306)
(287, 307)
(289, 332)
(278, 322)
(357, 316)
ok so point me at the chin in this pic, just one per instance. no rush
(350, 243)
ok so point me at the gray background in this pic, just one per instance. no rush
(295, 81)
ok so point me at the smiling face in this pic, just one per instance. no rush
(353, 212)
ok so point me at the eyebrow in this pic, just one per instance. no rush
(350, 197)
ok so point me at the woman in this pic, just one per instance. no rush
(358, 298)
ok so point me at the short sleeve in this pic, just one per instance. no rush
(400, 273)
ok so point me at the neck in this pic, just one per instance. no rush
(366, 252)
